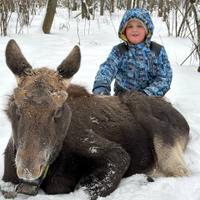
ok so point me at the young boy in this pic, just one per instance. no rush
(138, 67)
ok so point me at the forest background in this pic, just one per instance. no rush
(182, 17)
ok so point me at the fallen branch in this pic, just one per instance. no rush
(188, 56)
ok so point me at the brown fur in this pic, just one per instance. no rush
(88, 141)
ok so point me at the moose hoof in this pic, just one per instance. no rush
(8, 190)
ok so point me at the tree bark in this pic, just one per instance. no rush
(160, 8)
(129, 4)
(151, 4)
(197, 21)
(112, 6)
(50, 13)
(85, 13)
(102, 7)
(74, 5)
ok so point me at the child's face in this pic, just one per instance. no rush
(135, 32)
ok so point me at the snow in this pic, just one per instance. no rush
(96, 40)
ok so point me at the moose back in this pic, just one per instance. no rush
(79, 140)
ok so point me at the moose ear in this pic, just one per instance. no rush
(70, 65)
(15, 59)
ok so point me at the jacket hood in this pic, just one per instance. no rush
(140, 14)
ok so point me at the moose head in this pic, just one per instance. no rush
(38, 111)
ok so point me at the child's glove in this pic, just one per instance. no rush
(101, 91)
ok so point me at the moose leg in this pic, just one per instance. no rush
(9, 177)
(63, 174)
(106, 177)
(58, 184)
(111, 162)
(170, 158)
(9, 164)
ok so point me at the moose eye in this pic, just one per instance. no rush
(58, 113)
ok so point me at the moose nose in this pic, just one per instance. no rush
(30, 165)
(28, 174)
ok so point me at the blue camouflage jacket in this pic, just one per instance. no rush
(137, 69)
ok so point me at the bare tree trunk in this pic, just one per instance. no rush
(112, 6)
(138, 3)
(184, 21)
(165, 10)
(102, 7)
(151, 4)
(176, 22)
(50, 13)
(144, 4)
(129, 4)
(197, 21)
(121, 4)
(86, 10)
(74, 5)
(83, 9)
(160, 8)
(3, 18)
(6, 9)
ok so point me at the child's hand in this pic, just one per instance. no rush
(101, 91)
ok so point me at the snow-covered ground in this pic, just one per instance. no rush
(96, 40)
